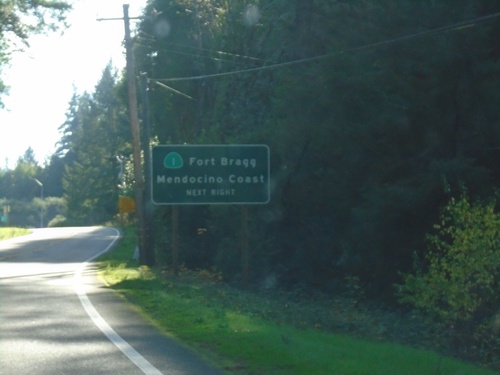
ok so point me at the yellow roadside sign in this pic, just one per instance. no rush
(126, 205)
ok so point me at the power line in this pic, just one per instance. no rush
(218, 59)
(218, 52)
(170, 89)
(272, 66)
(453, 27)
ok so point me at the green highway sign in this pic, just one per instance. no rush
(210, 174)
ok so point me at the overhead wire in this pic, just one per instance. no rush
(218, 59)
(144, 36)
(452, 27)
(171, 89)
(217, 52)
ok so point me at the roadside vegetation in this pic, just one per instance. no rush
(6, 233)
(382, 122)
(250, 332)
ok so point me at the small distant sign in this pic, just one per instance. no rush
(126, 205)
(210, 174)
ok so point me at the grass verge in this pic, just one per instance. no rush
(228, 327)
(6, 233)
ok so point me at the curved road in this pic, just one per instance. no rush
(57, 318)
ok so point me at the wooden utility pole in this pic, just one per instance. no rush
(244, 245)
(175, 239)
(146, 251)
(136, 139)
(148, 206)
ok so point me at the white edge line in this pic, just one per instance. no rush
(142, 363)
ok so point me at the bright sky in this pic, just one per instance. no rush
(42, 79)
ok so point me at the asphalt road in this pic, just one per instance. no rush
(57, 318)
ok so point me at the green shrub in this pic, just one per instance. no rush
(460, 284)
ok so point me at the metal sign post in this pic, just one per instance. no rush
(210, 174)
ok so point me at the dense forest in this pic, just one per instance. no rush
(383, 123)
